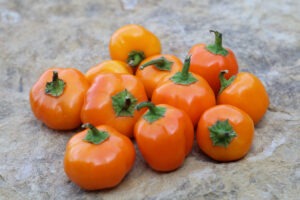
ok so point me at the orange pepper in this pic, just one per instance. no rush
(186, 91)
(133, 43)
(155, 69)
(111, 100)
(164, 135)
(108, 66)
(246, 92)
(209, 60)
(98, 158)
(225, 133)
(57, 97)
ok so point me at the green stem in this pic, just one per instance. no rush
(91, 127)
(55, 78)
(161, 63)
(186, 68)
(224, 82)
(154, 112)
(56, 87)
(127, 103)
(93, 135)
(218, 38)
(146, 104)
(124, 103)
(222, 133)
(217, 48)
(135, 58)
(184, 77)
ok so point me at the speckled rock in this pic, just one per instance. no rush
(35, 35)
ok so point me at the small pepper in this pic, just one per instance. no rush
(133, 43)
(108, 66)
(186, 91)
(57, 97)
(111, 100)
(209, 60)
(156, 69)
(98, 157)
(246, 92)
(225, 133)
(164, 135)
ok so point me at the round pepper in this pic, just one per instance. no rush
(57, 97)
(164, 135)
(132, 43)
(186, 91)
(155, 69)
(246, 92)
(98, 157)
(111, 100)
(225, 133)
(209, 60)
(108, 66)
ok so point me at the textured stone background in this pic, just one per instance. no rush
(35, 35)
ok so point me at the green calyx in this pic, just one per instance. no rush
(161, 64)
(217, 47)
(93, 135)
(184, 77)
(124, 104)
(154, 113)
(135, 58)
(56, 87)
(221, 133)
(225, 82)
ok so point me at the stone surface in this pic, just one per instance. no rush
(35, 35)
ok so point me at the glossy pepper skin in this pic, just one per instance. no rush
(99, 165)
(59, 111)
(111, 100)
(246, 92)
(164, 135)
(209, 60)
(108, 66)
(193, 97)
(132, 43)
(225, 133)
(155, 69)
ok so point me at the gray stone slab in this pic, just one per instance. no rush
(35, 35)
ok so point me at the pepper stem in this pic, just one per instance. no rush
(184, 77)
(124, 103)
(55, 77)
(94, 135)
(224, 82)
(222, 133)
(127, 103)
(186, 67)
(217, 48)
(154, 113)
(135, 58)
(56, 87)
(161, 63)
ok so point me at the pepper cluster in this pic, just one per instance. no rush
(154, 99)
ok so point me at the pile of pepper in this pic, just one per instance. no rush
(154, 99)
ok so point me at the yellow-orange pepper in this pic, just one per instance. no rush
(246, 92)
(57, 97)
(111, 101)
(108, 66)
(98, 157)
(164, 135)
(186, 91)
(132, 43)
(156, 69)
